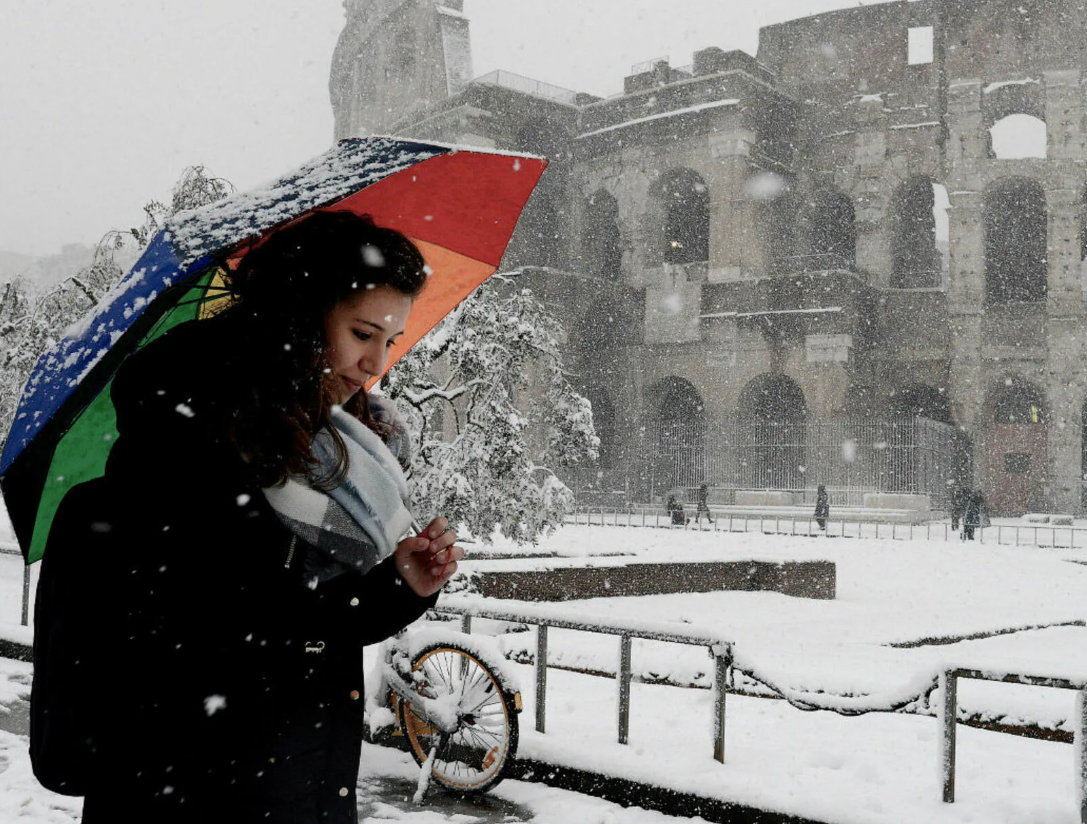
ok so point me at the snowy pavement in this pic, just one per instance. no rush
(387, 783)
(870, 769)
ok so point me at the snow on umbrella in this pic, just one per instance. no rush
(458, 205)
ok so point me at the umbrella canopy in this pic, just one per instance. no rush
(458, 205)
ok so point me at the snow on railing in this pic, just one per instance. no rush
(544, 617)
(726, 663)
(949, 714)
(1036, 535)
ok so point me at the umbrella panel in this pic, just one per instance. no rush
(80, 454)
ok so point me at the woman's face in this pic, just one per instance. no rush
(359, 331)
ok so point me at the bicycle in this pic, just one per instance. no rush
(456, 705)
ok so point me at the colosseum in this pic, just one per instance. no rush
(856, 259)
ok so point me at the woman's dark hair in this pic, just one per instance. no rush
(282, 291)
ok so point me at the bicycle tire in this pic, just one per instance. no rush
(478, 755)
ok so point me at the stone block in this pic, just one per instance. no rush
(800, 579)
(897, 500)
(764, 497)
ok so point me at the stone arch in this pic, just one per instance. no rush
(1016, 447)
(832, 233)
(1018, 135)
(683, 200)
(919, 234)
(773, 417)
(920, 400)
(679, 417)
(784, 214)
(541, 232)
(601, 242)
(1014, 118)
(905, 461)
(1016, 237)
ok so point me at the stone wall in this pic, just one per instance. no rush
(801, 579)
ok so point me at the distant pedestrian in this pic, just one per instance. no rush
(976, 514)
(959, 497)
(675, 510)
(822, 507)
(703, 494)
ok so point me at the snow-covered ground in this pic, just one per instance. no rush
(868, 769)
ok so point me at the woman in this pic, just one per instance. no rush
(257, 515)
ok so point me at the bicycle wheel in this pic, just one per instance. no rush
(477, 755)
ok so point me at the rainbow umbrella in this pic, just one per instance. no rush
(459, 205)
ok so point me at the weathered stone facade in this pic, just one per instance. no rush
(829, 233)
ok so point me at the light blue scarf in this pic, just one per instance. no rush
(359, 523)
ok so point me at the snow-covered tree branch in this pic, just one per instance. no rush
(493, 415)
(30, 323)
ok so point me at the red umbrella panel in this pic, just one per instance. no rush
(459, 206)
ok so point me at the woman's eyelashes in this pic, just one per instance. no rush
(364, 336)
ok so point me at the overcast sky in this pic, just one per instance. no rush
(104, 103)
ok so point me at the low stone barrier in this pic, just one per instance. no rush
(801, 579)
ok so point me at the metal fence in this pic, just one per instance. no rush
(949, 715)
(543, 619)
(1043, 536)
(908, 455)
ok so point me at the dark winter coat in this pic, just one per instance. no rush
(822, 506)
(231, 690)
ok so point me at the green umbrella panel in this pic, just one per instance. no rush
(80, 454)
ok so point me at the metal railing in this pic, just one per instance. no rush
(520, 83)
(949, 710)
(910, 455)
(1046, 537)
(720, 649)
(26, 582)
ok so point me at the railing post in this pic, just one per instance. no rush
(947, 742)
(541, 678)
(26, 595)
(466, 623)
(722, 662)
(1081, 743)
(624, 688)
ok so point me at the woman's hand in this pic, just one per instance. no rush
(427, 560)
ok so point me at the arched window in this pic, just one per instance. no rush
(921, 401)
(919, 235)
(1017, 448)
(1016, 229)
(686, 213)
(540, 240)
(681, 432)
(833, 234)
(773, 416)
(604, 423)
(1017, 136)
(601, 242)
